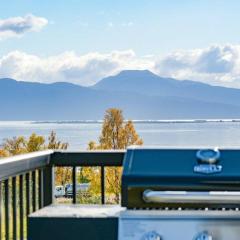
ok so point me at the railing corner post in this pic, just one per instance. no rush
(48, 185)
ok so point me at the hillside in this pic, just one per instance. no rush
(141, 95)
(147, 83)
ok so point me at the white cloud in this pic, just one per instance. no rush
(17, 26)
(218, 65)
(69, 67)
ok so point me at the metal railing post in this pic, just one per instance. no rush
(74, 184)
(48, 185)
(102, 185)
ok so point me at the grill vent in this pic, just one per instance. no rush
(187, 209)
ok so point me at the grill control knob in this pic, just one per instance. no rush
(203, 236)
(151, 236)
(208, 156)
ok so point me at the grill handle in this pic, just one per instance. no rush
(150, 196)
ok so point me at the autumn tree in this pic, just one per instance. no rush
(115, 134)
(35, 143)
(15, 145)
(19, 145)
(54, 143)
(3, 153)
(63, 174)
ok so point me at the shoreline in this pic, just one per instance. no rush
(134, 121)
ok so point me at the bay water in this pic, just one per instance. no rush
(186, 133)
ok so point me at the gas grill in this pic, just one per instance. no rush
(167, 194)
(187, 194)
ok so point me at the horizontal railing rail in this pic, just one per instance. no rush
(27, 183)
(88, 158)
(20, 164)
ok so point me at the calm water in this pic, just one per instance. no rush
(163, 134)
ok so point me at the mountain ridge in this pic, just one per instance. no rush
(21, 100)
(154, 85)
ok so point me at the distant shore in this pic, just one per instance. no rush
(139, 121)
(136, 121)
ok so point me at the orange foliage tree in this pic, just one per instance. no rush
(115, 134)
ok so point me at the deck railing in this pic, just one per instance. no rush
(27, 183)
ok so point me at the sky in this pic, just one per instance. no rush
(83, 41)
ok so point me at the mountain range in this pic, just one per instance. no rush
(140, 94)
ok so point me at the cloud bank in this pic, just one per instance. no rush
(217, 65)
(69, 67)
(17, 26)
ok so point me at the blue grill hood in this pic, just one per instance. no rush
(176, 169)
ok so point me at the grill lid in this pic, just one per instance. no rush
(175, 169)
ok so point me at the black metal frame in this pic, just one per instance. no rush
(27, 183)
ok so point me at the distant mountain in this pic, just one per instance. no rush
(147, 83)
(141, 95)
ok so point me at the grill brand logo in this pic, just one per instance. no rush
(208, 168)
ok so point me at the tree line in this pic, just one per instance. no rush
(115, 134)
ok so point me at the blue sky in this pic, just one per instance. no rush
(155, 27)
(168, 32)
